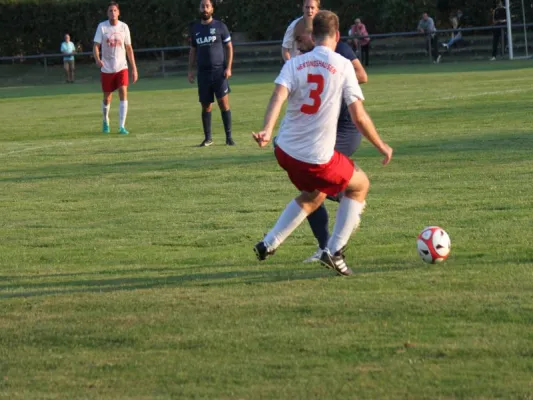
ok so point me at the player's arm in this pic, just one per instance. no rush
(131, 59)
(360, 72)
(288, 40)
(280, 94)
(285, 53)
(192, 61)
(364, 124)
(96, 54)
(229, 57)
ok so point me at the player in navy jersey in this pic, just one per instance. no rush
(209, 38)
(348, 137)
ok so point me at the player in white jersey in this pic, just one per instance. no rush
(315, 85)
(113, 36)
(289, 47)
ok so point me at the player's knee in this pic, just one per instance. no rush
(223, 104)
(358, 186)
(310, 201)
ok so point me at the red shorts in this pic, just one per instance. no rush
(330, 178)
(111, 82)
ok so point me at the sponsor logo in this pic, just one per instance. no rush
(206, 40)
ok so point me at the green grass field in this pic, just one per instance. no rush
(127, 270)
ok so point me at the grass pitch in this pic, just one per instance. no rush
(126, 263)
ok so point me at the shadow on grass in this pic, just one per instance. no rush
(491, 142)
(215, 279)
(193, 164)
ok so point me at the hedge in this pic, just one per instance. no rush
(36, 26)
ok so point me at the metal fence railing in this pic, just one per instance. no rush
(386, 48)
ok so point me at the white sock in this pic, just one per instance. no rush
(105, 110)
(347, 219)
(288, 221)
(122, 112)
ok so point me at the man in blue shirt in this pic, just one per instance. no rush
(68, 49)
(348, 136)
(209, 37)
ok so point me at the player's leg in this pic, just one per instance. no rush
(106, 106)
(350, 208)
(206, 97)
(222, 90)
(294, 214)
(121, 82)
(319, 221)
(207, 108)
(107, 81)
(344, 177)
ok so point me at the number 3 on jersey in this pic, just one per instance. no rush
(314, 94)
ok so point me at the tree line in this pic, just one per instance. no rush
(38, 26)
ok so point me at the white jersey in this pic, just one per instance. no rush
(288, 39)
(317, 81)
(113, 40)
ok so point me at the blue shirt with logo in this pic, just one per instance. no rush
(209, 41)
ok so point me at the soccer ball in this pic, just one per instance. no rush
(433, 244)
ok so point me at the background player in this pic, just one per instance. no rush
(113, 36)
(305, 148)
(348, 137)
(288, 47)
(209, 37)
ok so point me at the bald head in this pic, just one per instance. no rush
(303, 31)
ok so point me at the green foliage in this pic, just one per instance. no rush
(33, 26)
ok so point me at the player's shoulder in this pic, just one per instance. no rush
(219, 23)
(340, 62)
(103, 24)
(345, 50)
(293, 23)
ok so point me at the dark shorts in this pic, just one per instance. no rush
(348, 144)
(211, 84)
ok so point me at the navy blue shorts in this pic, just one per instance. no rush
(211, 84)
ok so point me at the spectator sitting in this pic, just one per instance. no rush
(361, 41)
(457, 35)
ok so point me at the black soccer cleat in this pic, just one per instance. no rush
(230, 142)
(335, 262)
(206, 143)
(262, 252)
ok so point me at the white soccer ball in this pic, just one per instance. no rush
(433, 244)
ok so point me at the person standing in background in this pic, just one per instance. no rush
(499, 17)
(427, 26)
(68, 49)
